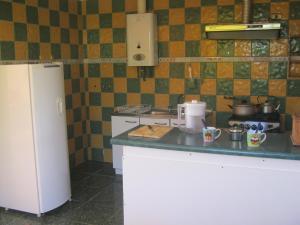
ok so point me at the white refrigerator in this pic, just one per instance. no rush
(34, 163)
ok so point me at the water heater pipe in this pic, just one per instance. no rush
(141, 5)
(246, 11)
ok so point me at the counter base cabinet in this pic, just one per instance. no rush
(120, 124)
(175, 188)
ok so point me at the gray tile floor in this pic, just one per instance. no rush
(97, 199)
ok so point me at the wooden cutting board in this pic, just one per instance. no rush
(152, 131)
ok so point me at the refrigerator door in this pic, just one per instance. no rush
(18, 186)
(49, 119)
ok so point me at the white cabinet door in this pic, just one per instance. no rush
(120, 124)
(154, 121)
(177, 123)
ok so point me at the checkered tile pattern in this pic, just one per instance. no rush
(181, 34)
(93, 29)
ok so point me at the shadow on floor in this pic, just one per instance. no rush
(97, 199)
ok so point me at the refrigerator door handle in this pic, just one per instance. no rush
(59, 104)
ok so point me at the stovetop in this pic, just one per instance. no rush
(264, 122)
(259, 117)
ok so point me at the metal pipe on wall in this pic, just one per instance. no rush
(246, 11)
(141, 5)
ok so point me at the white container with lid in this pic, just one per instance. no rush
(194, 114)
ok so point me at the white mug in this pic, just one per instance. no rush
(255, 139)
(211, 134)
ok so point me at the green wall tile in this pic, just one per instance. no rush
(225, 48)
(222, 119)
(106, 20)
(120, 99)
(293, 88)
(242, 70)
(70, 131)
(149, 5)
(78, 143)
(32, 14)
(210, 101)
(34, 51)
(56, 51)
(173, 100)
(295, 46)
(259, 87)
(96, 127)
(54, 18)
(7, 50)
(107, 85)
(118, 5)
(261, 48)
(162, 17)
(106, 50)
(284, 31)
(5, 11)
(97, 154)
(261, 12)
(295, 10)
(67, 71)
(106, 141)
(163, 49)
(106, 113)
(75, 85)
(208, 2)
(94, 99)
(176, 3)
(176, 32)
(148, 99)
(94, 70)
(43, 3)
(44, 34)
(20, 31)
(74, 52)
(120, 69)
(278, 70)
(192, 86)
(77, 116)
(288, 122)
(208, 69)
(162, 86)
(93, 36)
(63, 5)
(64, 35)
(192, 15)
(226, 14)
(176, 70)
(133, 85)
(192, 48)
(224, 87)
(92, 7)
(73, 21)
(119, 35)
(69, 101)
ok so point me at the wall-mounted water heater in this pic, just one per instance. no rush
(142, 39)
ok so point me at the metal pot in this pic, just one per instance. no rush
(236, 133)
(243, 109)
(268, 107)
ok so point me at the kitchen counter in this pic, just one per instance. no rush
(180, 180)
(277, 145)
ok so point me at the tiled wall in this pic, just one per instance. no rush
(240, 71)
(45, 30)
